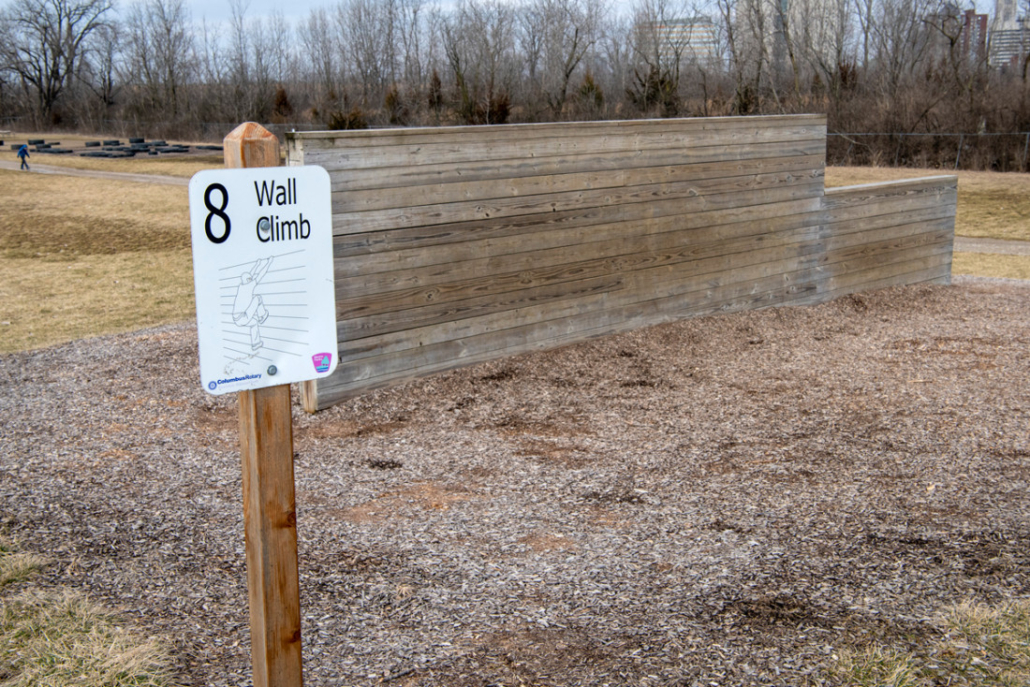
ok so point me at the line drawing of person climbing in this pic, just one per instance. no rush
(248, 308)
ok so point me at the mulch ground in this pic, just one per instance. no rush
(725, 500)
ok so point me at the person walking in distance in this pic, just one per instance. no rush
(23, 153)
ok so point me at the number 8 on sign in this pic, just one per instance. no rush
(216, 212)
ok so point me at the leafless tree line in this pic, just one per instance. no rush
(886, 66)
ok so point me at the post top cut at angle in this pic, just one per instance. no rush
(251, 145)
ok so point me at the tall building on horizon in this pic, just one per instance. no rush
(1006, 15)
(692, 39)
(1009, 38)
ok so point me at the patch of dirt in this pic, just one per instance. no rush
(722, 500)
(406, 503)
(545, 541)
(572, 456)
(28, 235)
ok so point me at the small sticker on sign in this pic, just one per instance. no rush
(322, 361)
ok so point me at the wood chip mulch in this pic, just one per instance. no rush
(726, 500)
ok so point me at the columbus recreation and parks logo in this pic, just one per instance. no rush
(322, 361)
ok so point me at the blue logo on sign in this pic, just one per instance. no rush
(212, 385)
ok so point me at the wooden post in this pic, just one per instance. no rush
(269, 504)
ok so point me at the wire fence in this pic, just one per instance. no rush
(209, 132)
(1003, 152)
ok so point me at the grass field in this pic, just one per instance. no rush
(979, 646)
(82, 257)
(990, 265)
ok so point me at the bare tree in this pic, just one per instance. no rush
(249, 86)
(479, 42)
(901, 45)
(321, 46)
(615, 54)
(262, 59)
(159, 59)
(963, 68)
(531, 27)
(661, 35)
(745, 26)
(44, 41)
(210, 55)
(785, 48)
(280, 40)
(99, 68)
(825, 40)
(368, 28)
(865, 13)
(412, 29)
(558, 35)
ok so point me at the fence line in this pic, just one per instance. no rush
(1000, 158)
(939, 150)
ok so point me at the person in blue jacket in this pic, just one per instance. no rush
(23, 153)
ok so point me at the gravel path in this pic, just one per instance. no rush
(997, 246)
(725, 500)
(35, 168)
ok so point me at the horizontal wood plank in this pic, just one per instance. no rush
(546, 136)
(476, 170)
(802, 181)
(415, 195)
(455, 248)
(691, 213)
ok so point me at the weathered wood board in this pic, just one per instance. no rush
(459, 245)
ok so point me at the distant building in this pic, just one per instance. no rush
(691, 40)
(974, 34)
(1006, 17)
(1009, 47)
(1009, 37)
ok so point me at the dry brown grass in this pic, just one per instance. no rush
(49, 302)
(981, 646)
(185, 166)
(991, 265)
(14, 565)
(990, 204)
(58, 637)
